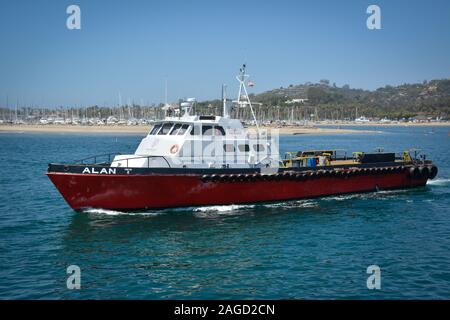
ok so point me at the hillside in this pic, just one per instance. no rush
(328, 101)
(428, 98)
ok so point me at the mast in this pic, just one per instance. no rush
(120, 106)
(7, 106)
(165, 93)
(243, 88)
(17, 105)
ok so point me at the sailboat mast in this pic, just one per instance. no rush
(224, 101)
(165, 92)
(17, 105)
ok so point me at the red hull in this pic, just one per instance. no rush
(132, 192)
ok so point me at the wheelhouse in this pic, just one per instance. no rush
(198, 141)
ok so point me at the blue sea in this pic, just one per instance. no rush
(309, 249)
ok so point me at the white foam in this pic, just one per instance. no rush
(103, 211)
(439, 182)
(387, 194)
(120, 213)
(223, 208)
(343, 197)
(292, 204)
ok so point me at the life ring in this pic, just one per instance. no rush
(174, 149)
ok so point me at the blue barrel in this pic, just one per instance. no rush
(311, 162)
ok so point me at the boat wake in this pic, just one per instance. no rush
(224, 208)
(214, 211)
(382, 194)
(442, 182)
(293, 204)
(342, 197)
(234, 210)
(120, 213)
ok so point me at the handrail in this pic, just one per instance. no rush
(95, 157)
(143, 157)
(81, 161)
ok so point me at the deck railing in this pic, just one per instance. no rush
(110, 156)
(96, 157)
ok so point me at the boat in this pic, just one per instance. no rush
(189, 160)
(362, 119)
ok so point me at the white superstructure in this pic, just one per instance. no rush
(199, 141)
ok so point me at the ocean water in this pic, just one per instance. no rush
(309, 249)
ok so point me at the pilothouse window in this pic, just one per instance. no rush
(219, 131)
(195, 131)
(165, 128)
(258, 147)
(228, 148)
(155, 129)
(175, 129)
(183, 129)
(244, 148)
(207, 130)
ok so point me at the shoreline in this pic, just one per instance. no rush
(393, 124)
(144, 129)
(318, 128)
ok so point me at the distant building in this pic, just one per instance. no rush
(421, 118)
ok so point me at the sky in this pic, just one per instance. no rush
(131, 47)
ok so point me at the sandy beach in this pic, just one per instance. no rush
(321, 128)
(145, 129)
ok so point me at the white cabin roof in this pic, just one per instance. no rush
(204, 119)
